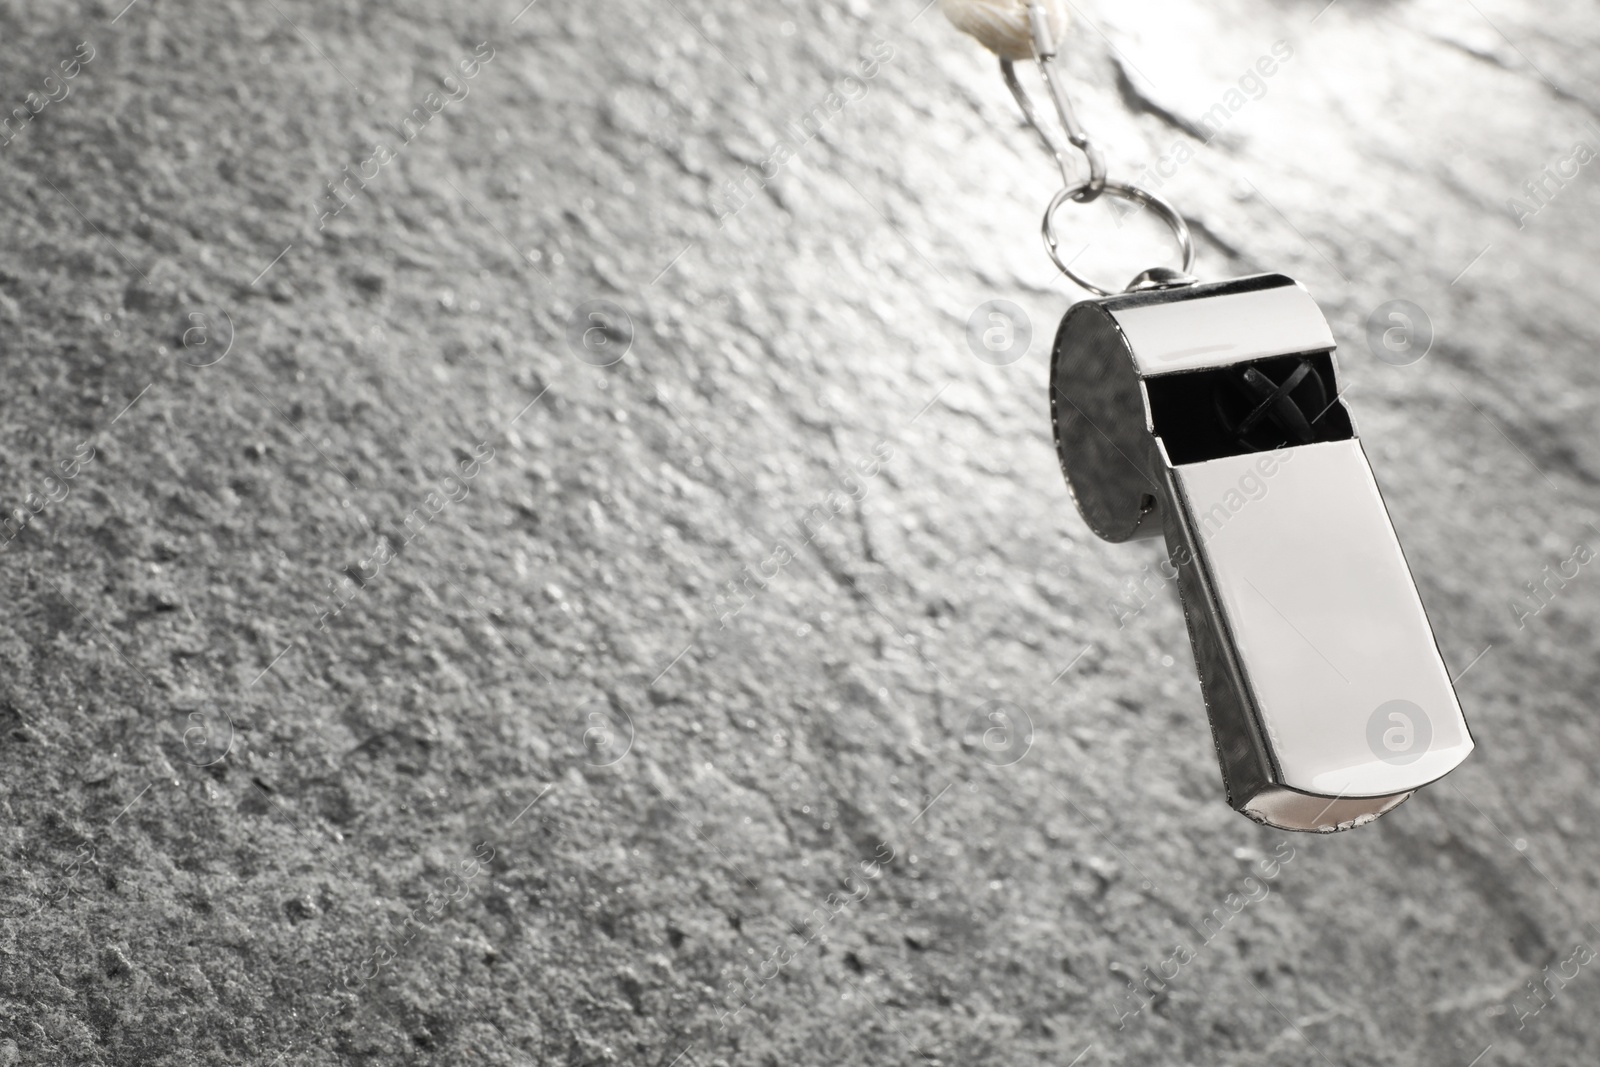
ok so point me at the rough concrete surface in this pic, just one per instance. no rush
(387, 683)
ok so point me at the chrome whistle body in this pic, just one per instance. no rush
(1210, 414)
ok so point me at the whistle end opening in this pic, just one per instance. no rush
(1290, 809)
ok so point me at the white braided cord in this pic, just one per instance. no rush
(1001, 26)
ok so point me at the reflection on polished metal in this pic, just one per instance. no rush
(1210, 414)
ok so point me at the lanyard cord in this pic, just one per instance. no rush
(1019, 30)
(1029, 29)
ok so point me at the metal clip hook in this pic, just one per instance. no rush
(1044, 50)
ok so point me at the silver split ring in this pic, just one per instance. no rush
(1132, 194)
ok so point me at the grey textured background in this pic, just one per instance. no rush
(705, 778)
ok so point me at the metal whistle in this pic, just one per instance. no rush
(1211, 413)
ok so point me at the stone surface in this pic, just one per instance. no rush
(558, 782)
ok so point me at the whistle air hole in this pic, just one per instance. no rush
(1243, 408)
(1260, 411)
